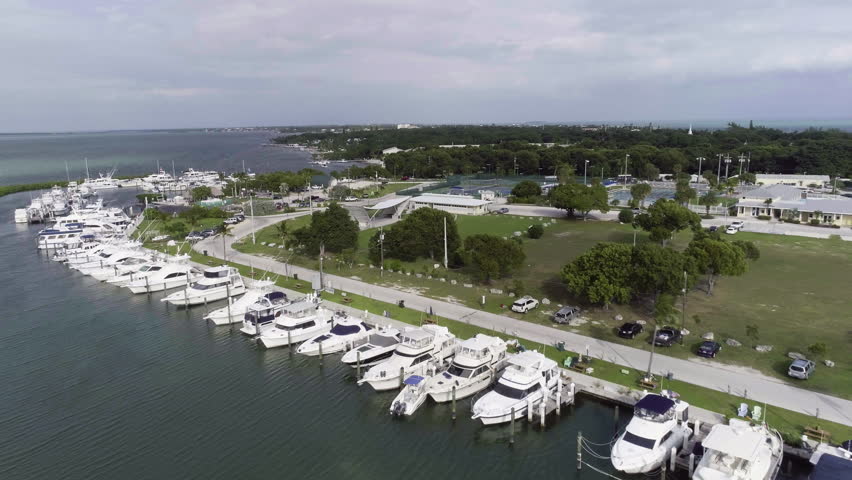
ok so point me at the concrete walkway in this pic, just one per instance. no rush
(757, 387)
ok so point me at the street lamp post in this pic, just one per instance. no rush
(698, 177)
(719, 170)
(626, 158)
(585, 168)
(683, 308)
(741, 159)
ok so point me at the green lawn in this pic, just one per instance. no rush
(791, 424)
(796, 293)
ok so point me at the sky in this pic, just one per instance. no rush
(95, 65)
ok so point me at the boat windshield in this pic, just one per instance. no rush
(513, 392)
(639, 441)
(457, 371)
(216, 274)
(201, 286)
(382, 340)
(345, 329)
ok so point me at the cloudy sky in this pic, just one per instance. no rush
(89, 64)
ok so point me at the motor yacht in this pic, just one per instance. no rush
(236, 310)
(418, 349)
(97, 255)
(475, 366)
(21, 215)
(110, 259)
(127, 276)
(103, 182)
(376, 348)
(55, 238)
(346, 330)
(297, 322)
(528, 379)
(84, 246)
(171, 275)
(412, 396)
(740, 451)
(217, 283)
(658, 424)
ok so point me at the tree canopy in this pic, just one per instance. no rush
(490, 256)
(574, 197)
(420, 234)
(526, 189)
(665, 217)
(600, 275)
(331, 227)
(638, 192)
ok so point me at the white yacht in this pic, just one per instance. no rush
(103, 182)
(84, 246)
(740, 451)
(475, 366)
(297, 322)
(529, 379)
(21, 215)
(217, 283)
(128, 276)
(96, 255)
(171, 275)
(236, 311)
(54, 238)
(107, 259)
(130, 264)
(412, 396)
(264, 311)
(418, 349)
(658, 424)
(346, 330)
(376, 348)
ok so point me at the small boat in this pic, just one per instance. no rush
(55, 238)
(740, 451)
(346, 330)
(412, 396)
(474, 367)
(171, 275)
(236, 310)
(832, 462)
(297, 322)
(418, 349)
(377, 347)
(658, 424)
(85, 246)
(529, 379)
(21, 215)
(217, 283)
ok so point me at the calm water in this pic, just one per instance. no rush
(42, 157)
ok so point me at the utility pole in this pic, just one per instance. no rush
(585, 167)
(322, 254)
(748, 164)
(445, 243)
(698, 177)
(683, 308)
(626, 158)
(382, 250)
(741, 159)
(651, 358)
(251, 207)
(719, 171)
(727, 165)
(515, 164)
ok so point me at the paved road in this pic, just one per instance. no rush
(757, 387)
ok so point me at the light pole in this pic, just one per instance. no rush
(626, 158)
(719, 170)
(698, 177)
(741, 159)
(683, 308)
(382, 249)
(585, 168)
(727, 165)
(748, 163)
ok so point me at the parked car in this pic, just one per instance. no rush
(566, 314)
(731, 230)
(801, 369)
(524, 304)
(240, 217)
(501, 211)
(194, 236)
(637, 211)
(208, 233)
(231, 221)
(738, 224)
(350, 198)
(709, 349)
(630, 330)
(713, 228)
(667, 336)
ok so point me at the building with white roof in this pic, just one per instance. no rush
(787, 202)
(804, 181)
(461, 204)
(391, 150)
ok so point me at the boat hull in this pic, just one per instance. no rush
(445, 394)
(276, 340)
(185, 299)
(141, 287)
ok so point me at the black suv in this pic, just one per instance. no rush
(667, 336)
(709, 349)
(630, 330)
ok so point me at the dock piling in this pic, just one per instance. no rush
(529, 410)
(454, 403)
(696, 428)
(559, 396)
(357, 364)
(512, 428)
(672, 458)
(579, 450)
(691, 464)
(289, 335)
(541, 412)
(320, 352)
(401, 374)
(663, 471)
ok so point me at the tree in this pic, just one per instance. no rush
(683, 192)
(283, 232)
(664, 218)
(491, 256)
(625, 216)
(333, 227)
(664, 308)
(339, 192)
(176, 229)
(748, 177)
(709, 199)
(710, 177)
(419, 235)
(535, 230)
(194, 214)
(526, 189)
(638, 193)
(200, 193)
(716, 257)
(599, 276)
(574, 197)
(749, 249)
(818, 349)
(656, 270)
(565, 173)
(152, 213)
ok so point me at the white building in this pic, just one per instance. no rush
(391, 150)
(461, 204)
(403, 126)
(804, 181)
(787, 202)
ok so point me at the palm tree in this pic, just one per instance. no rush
(283, 232)
(225, 230)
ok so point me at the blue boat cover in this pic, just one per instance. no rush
(831, 467)
(275, 295)
(413, 380)
(655, 403)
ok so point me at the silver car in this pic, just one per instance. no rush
(801, 369)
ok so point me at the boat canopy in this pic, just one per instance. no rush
(832, 467)
(654, 404)
(739, 443)
(276, 295)
(413, 380)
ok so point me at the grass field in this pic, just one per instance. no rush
(796, 293)
(791, 424)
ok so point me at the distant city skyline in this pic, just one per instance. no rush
(97, 65)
